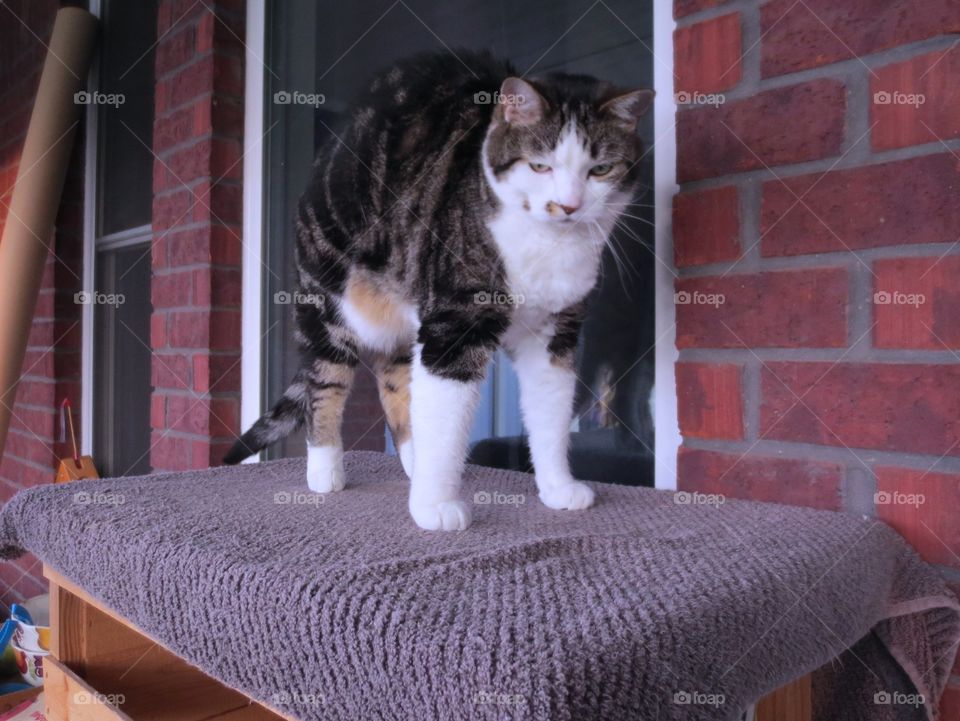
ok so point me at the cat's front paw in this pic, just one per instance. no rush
(325, 469)
(441, 516)
(572, 496)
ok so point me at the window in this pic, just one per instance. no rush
(123, 115)
(331, 50)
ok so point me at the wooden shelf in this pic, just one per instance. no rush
(103, 668)
(98, 656)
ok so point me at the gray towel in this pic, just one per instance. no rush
(652, 605)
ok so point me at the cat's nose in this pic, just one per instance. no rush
(569, 209)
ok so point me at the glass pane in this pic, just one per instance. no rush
(122, 361)
(333, 49)
(126, 69)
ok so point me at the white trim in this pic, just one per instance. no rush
(665, 423)
(89, 256)
(125, 238)
(251, 369)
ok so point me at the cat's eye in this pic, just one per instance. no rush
(540, 168)
(598, 171)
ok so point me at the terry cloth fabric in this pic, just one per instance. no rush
(651, 605)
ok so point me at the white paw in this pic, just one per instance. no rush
(441, 516)
(405, 451)
(325, 469)
(572, 496)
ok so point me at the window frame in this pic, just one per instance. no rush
(667, 434)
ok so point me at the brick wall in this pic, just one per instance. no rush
(816, 242)
(51, 368)
(197, 223)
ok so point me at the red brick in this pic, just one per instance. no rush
(688, 7)
(158, 330)
(226, 161)
(191, 82)
(909, 408)
(172, 290)
(222, 203)
(24, 475)
(922, 506)
(189, 329)
(776, 127)
(175, 128)
(188, 414)
(709, 400)
(170, 371)
(172, 209)
(158, 411)
(799, 35)
(35, 393)
(777, 480)
(225, 329)
(170, 453)
(916, 101)
(225, 418)
(188, 164)
(910, 201)
(706, 226)
(915, 303)
(28, 446)
(950, 702)
(780, 309)
(220, 287)
(707, 55)
(175, 49)
(218, 373)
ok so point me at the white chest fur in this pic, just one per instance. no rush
(550, 266)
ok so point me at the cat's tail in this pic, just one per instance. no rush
(286, 416)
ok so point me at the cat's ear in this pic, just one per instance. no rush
(521, 104)
(628, 108)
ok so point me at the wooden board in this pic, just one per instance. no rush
(100, 658)
(788, 703)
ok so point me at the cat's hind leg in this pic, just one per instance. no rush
(329, 363)
(393, 384)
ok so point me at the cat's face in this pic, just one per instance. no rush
(564, 149)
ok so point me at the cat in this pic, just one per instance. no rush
(463, 209)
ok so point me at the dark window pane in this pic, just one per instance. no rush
(129, 33)
(122, 362)
(333, 48)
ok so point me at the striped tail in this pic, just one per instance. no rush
(283, 419)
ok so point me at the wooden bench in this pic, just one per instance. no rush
(104, 668)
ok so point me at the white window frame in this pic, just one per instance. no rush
(667, 433)
(89, 256)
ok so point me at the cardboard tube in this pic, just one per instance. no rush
(28, 231)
